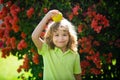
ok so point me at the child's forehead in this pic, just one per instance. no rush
(61, 28)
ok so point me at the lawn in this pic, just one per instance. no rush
(8, 68)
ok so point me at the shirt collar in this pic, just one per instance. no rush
(59, 50)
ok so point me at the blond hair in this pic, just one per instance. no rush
(53, 26)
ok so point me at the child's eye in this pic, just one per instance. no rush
(64, 34)
(56, 35)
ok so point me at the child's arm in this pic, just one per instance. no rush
(38, 30)
(78, 77)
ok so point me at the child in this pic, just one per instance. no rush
(59, 49)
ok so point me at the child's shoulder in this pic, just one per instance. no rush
(43, 48)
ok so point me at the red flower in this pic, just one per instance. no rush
(45, 10)
(6, 52)
(75, 10)
(70, 16)
(36, 58)
(80, 27)
(7, 19)
(23, 35)
(33, 51)
(85, 43)
(13, 42)
(3, 12)
(19, 69)
(1, 44)
(14, 20)
(95, 71)
(99, 21)
(9, 3)
(108, 57)
(91, 13)
(84, 64)
(1, 32)
(15, 28)
(14, 10)
(96, 59)
(30, 12)
(96, 43)
(91, 52)
(22, 45)
(1, 1)
(25, 65)
(94, 25)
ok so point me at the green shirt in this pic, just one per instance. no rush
(59, 65)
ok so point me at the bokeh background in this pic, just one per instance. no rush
(97, 25)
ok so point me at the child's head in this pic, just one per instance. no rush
(65, 29)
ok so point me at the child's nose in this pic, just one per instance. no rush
(60, 38)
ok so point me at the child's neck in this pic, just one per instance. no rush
(64, 49)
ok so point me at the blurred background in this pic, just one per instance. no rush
(97, 25)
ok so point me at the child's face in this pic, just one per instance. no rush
(60, 38)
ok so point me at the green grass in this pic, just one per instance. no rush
(8, 68)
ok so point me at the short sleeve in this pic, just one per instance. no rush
(77, 67)
(43, 49)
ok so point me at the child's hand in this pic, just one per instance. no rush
(55, 15)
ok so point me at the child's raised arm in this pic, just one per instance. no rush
(38, 30)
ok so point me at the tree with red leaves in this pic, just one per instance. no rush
(97, 24)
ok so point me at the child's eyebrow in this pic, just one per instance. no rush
(57, 31)
(61, 30)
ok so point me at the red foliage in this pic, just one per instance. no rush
(108, 57)
(85, 64)
(30, 12)
(25, 65)
(45, 10)
(36, 58)
(80, 28)
(22, 45)
(8, 4)
(15, 28)
(95, 71)
(85, 43)
(11, 42)
(75, 10)
(99, 21)
(19, 69)
(70, 16)
(14, 10)
(1, 44)
(12, 37)
(5, 52)
(3, 12)
(23, 35)
(1, 1)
